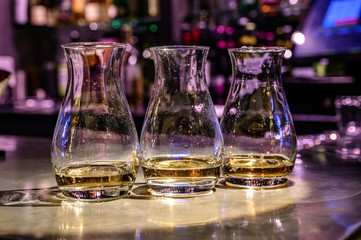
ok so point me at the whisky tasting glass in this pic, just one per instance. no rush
(95, 145)
(181, 140)
(259, 135)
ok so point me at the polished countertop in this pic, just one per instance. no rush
(322, 200)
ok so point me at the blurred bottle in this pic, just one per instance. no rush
(153, 8)
(65, 14)
(96, 10)
(61, 73)
(80, 12)
(21, 12)
(50, 79)
(120, 8)
(78, 9)
(133, 82)
(38, 13)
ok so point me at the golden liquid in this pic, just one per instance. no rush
(3, 85)
(181, 175)
(86, 177)
(257, 166)
(180, 167)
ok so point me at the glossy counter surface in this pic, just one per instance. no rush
(322, 200)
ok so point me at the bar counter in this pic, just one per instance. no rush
(322, 200)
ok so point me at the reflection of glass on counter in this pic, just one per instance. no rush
(236, 204)
(274, 224)
(177, 212)
(70, 220)
(80, 220)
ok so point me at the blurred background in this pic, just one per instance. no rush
(322, 63)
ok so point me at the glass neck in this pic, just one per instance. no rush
(181, 67)
(263, 65)
(93, 70)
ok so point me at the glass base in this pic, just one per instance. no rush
(256, 182)
(181, 189)
(96, 195)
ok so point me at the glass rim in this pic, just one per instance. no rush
(84, 45)
(179, 47)
(257, 49)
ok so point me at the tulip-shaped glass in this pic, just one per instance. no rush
(181, 138)
(259, 135)
(95, 146)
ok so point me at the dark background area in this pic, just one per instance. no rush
(39, 70)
